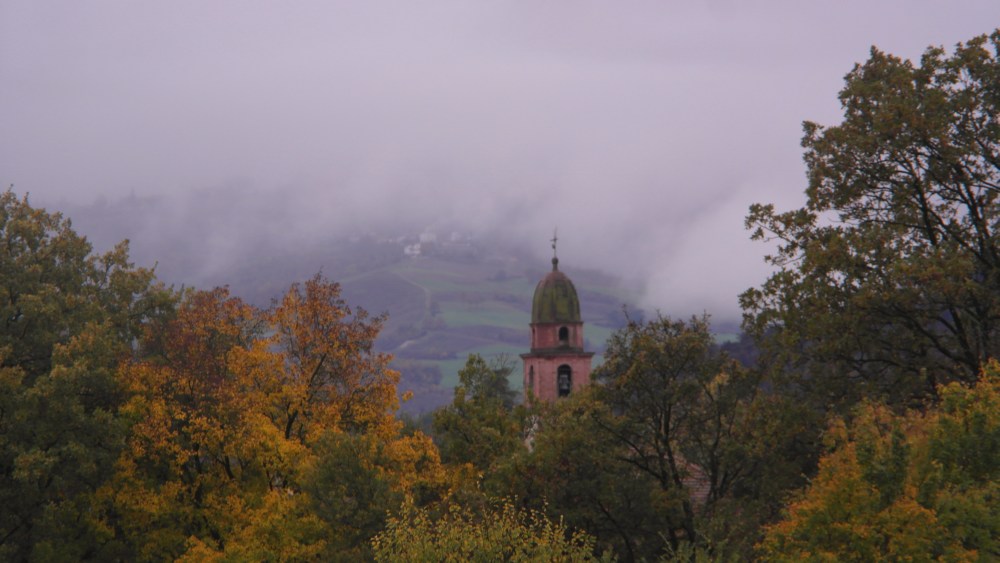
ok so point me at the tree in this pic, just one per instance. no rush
(350, 493)
(574, 471)
(197, 449)
(333, 376)
(263, 434)
(903, 487)
(888, 279)
(720, 450)
(502, 533)
(67, 317)
(480, 427)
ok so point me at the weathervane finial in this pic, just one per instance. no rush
(555, 239)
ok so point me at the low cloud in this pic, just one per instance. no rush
(642, 132)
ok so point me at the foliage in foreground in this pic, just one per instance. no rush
(67, 318)
(915, 487)
(500, 533)
(260, 434)
(676, 448)
(698, 425)
(137, 423)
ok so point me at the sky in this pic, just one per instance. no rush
(643, 130)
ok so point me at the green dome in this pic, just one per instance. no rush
(555, 299)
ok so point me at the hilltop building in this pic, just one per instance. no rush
(557, 364)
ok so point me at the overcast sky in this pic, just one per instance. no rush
(643, 130)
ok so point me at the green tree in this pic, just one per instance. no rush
(920, 486)
(351, 493)
(68, 317)
(720, 451)
(888, 279)
(480, 426)
(569, 473)
(574, 471)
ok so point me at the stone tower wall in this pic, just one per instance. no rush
(544, 383)
(546, 336)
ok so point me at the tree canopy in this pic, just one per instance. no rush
(500, 533)
(67, 318)
(479, 426)
(920, 486)
(140, 423)
(888, 279)
(698, 424)
(264, 433)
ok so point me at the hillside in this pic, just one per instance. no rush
(446, 294)
(443, 302)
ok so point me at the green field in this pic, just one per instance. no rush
(440, 308)
(493, 313)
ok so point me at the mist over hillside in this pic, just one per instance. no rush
(446, 292)
(644, 133)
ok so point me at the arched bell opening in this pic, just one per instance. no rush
(564, 380)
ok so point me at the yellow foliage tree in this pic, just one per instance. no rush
(501, 533)
(923, 486)
(241, 420)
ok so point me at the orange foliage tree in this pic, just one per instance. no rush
(239, 414)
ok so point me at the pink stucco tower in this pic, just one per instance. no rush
(557, 364)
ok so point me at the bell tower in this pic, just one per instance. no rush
(557, 365)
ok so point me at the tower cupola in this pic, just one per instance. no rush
(555, 299)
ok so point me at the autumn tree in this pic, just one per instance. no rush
(263, 434)
(68, 317)
(919, 486)
(191, 451)
(888, 279)
(333, 376)
(502, 533)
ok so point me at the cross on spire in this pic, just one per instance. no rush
(555, 239)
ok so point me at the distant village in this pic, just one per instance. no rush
(453, 245)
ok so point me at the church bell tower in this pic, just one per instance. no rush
(557, 365)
